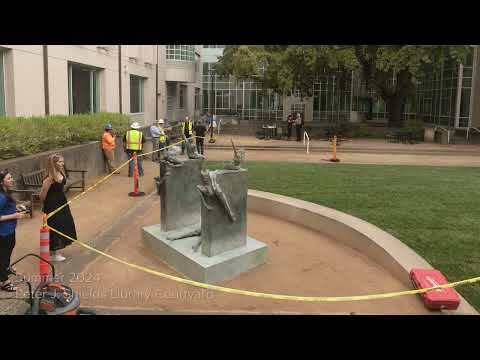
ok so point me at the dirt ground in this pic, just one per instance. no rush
(299, 262)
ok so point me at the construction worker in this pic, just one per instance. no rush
(200, 130)
(108, 146)
(133, 141)
(155, 133)
(187, 129)
(162, 139)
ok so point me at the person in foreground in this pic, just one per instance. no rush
(8, 223)
(53, 197)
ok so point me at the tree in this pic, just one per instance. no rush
(390, 70)
(284, 68)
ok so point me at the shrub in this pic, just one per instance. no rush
(20, 136)
(414, 125)
(363, 131)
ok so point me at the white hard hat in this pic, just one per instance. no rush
(160, 121)
(135, 125)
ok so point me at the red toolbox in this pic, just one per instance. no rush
(435, 299)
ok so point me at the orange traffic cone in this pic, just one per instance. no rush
(135, 178)
(44, 250)
(334, 145)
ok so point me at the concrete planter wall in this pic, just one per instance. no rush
(380, 246)
(85, 157)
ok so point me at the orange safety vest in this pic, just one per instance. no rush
(108, 141)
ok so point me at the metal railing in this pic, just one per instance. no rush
(305, 136)
(468, 131)
(444, 129)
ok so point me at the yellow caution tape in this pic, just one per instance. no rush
(238, 291)
(266, 295)
(105, 178)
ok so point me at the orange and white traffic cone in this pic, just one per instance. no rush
(135, 178)
(334, 145)
(44, 250)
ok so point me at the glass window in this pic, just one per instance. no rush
(197, 98)
(136, 94)
(181, 52)
(181, 97)
(2, 86)
(465, 103)
(83, 89)
(205, 100)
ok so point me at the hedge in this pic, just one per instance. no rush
(21, 136)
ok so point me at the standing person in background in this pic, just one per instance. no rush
(200, 130)
(108, 146)
(162, 139)
(187, 129)
(298, 126)
(168, 131)
(8, 224)
(53, 197)
(289, 126)
(210, 123)
(133, 141)
(155, 133)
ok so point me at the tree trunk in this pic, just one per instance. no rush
(396, 106)
(370, 109)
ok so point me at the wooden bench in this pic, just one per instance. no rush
(33, 184)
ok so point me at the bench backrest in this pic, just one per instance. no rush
(34, 178)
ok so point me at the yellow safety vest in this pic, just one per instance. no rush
(189, 128)
(162, 138)
(134, 140)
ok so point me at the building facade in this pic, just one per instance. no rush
(145, 81)
(444, 98)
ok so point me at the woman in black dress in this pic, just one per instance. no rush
(53, 197)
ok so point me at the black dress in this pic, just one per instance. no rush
(61, 221)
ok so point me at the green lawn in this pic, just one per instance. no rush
(434, 210)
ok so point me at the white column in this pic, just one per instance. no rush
(472, 91)
(459, 95)
(243, 99)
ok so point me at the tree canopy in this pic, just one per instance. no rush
(390, 70)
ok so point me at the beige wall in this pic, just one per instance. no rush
(24, 77)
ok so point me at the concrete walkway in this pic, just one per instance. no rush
(104, 215)
(375, 146)
(94, 214)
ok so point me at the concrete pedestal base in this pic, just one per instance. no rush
(211, 270)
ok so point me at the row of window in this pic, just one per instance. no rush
(84, 90)
(333, 99)
(181, 52)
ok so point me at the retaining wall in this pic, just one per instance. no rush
(380, 246)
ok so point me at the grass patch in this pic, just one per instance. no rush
(434, 210)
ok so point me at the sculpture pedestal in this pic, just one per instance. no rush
(179, 255)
